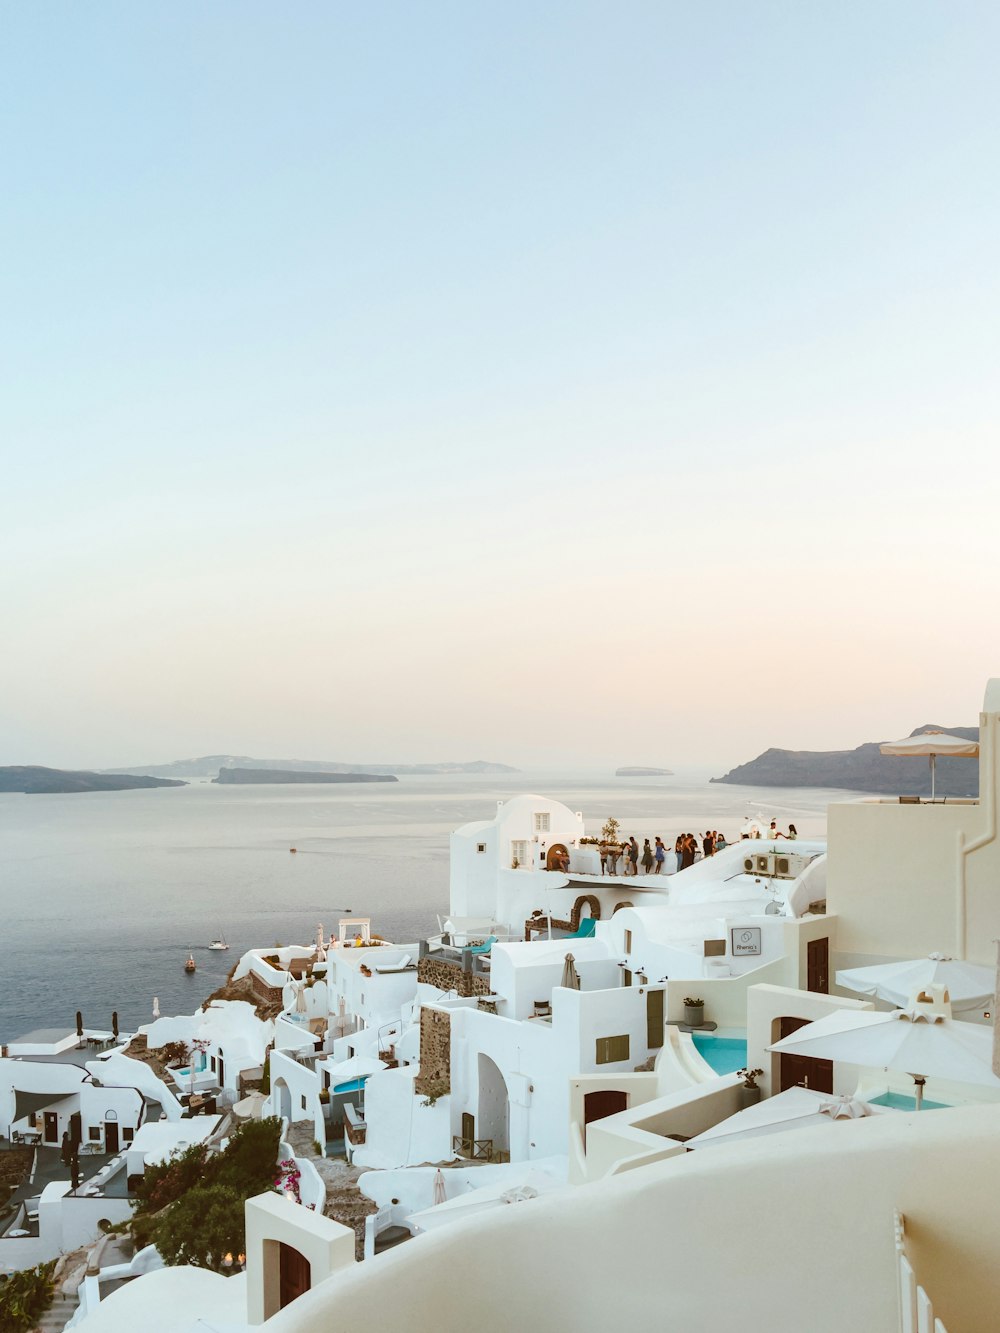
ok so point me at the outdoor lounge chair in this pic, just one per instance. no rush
(584, 930)
(485, 947)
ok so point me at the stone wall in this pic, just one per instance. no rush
(449, 976)
(434, 1079)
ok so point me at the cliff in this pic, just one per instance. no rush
(37, 781)
(243, 776)
(862, 769)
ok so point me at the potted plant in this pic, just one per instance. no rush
(694, 1012)
(749, 1089)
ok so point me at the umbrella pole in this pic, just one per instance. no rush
(933, 773)
(918, 1086)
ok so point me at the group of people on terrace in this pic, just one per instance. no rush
(651, 857)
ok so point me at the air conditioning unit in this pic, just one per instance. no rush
(763, 864)
(791, 866)
(748, 864)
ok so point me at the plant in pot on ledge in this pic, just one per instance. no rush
(694, 1012)
(750, 1090)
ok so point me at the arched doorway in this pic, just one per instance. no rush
(557, 857)
(294, 1274)
(585, 906)
(281, 1099)
(493, 1120)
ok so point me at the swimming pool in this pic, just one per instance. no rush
(355, 1085)
(724, 1054)
(900, 1102)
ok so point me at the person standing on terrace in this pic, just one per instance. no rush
(632, 852)
(647, 857)
(659, 855)
(602, 847)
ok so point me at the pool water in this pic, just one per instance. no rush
(900, 1102)
(355, 1085)
(724, 1054)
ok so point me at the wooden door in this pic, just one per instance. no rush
(221, 1073)
(818, 966)
(51, 1127)
(803, 1069)
(110, 1136)
(295, 1275)
(654, 1019)
(597, 1105)
(468, 1131)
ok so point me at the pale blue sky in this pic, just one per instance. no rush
(527, 381)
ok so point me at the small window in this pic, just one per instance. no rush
(213, 1064)
(94, 1133)
(128, 1133)
(518, 854)
(612, 1049)
(628, 941)
(303, 1101)
(542, 823)
(480, 846)
(715, 949)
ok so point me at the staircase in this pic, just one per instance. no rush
(58, 1315)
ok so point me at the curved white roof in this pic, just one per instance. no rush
(526, 804)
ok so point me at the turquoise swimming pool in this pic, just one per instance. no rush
(900, 1102)
(724, 1054)
(355, 1085)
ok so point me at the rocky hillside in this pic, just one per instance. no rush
(863, 769)
(49, 781)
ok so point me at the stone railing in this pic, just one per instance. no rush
(916, 1313)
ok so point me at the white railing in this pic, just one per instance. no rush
(916, 1313)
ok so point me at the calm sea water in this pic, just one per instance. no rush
(102, 894)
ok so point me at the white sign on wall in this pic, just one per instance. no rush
(745, 941)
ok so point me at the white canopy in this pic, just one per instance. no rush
(931, 744)
(359, 1066)
(919, 1041)
(249, 1107)
(969, 985)
(795, 1108)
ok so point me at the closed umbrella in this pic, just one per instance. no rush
(931, 744)
(969, 985)
(156, 1006)
(300, 997)
(440, 1193)
(570, 976)
(922, 1040)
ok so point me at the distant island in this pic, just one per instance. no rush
(643, 773)
(35, 781)
(863, 769)
(207, 766)
(245, 776)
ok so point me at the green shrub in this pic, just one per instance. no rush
(168, 1181)
(203, 1228)
(24, 1297)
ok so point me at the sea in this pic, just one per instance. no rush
(103, 894)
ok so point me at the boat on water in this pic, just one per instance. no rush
(190, 965)
(219, 943)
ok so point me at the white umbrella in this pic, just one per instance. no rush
(931, 744)
(570, 976)
(440, 1192)
(249, 1107)
(969, 985)
(795, 1108)
(923, 1041)
(156, 1006)
(300, 997)
(359, 1066)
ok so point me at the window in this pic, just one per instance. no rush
(303, 1101)
(518, 854)
(612, 1049)
(480, 846)
(128, 1133)
(715, 949)
(628, 941)
(94, 1133)
(542, 823)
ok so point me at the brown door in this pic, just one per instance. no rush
(818, 966)
(597, 1105)
(51, 1127)
(654, 1019)
(295, 1275)
(221, 1073)
(468, 1131)
(110, 1136)
(803, 1069)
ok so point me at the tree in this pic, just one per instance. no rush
(203, 1228)
(610, 830)
(24, 1297)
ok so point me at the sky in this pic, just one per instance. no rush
(566, 384)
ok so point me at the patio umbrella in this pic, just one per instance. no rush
(969, 985)
(249, 1107)
(570, 976)
(300, 997)
(156, 1006)
(931, 744)
(359, 1066)
(512, 1189)
(922, 1041)
(795, 1108)
(440, 1193)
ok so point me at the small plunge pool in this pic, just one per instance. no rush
(724, 1054)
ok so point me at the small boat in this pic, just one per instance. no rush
(219, 944)
(190, 965)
